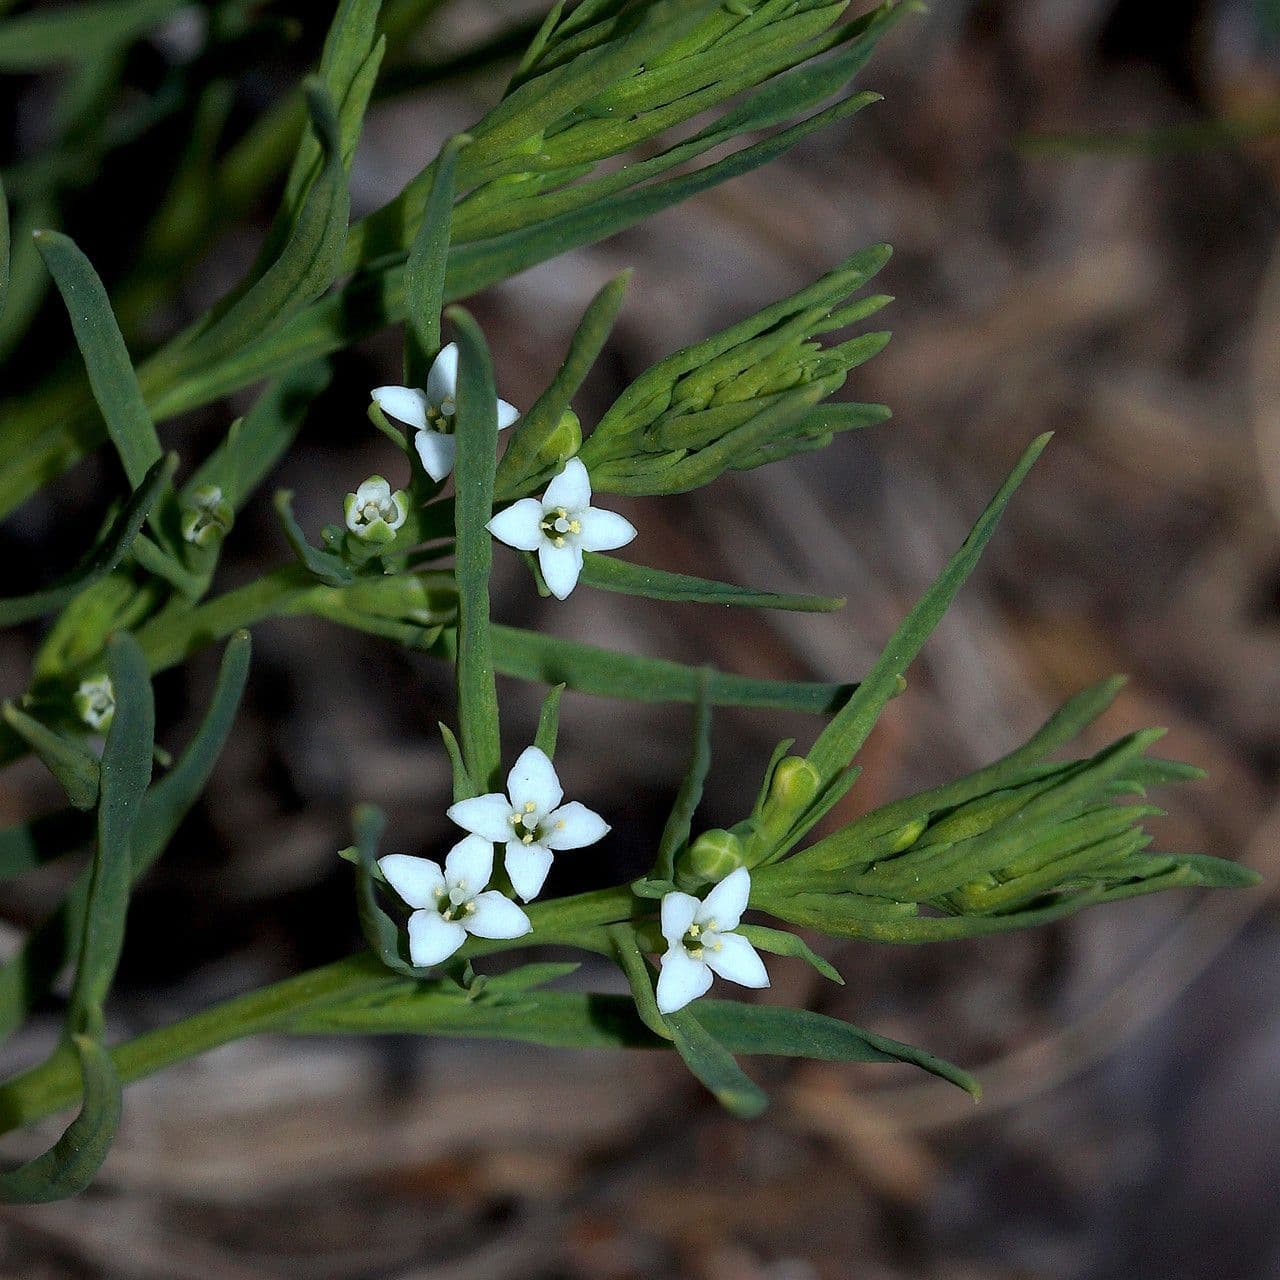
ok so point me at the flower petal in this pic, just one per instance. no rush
(405, 404)
(442, 381)
(469, 864)
(527, 865)
(571, 489)
(574, 826)
(560, 568)
(432, 938)
(497, 917)
(417, 880)
(437, 452)
(727, 901)
(520, 525)
(488, 816)
(507, 414)
(733, 957)
(533, 779)
(604, 530)
(681, 980)
(678, 911)
(374, 489)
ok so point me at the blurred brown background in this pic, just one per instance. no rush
(1131, 303)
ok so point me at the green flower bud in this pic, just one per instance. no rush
(207, 517)
(792, 789)
(714, 854)
(563, 443)
(95, 702)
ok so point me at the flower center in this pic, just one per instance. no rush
(558, 526)
(440, 416)
(526, 823)
(451, 908)
(699, 937)
(375, 509)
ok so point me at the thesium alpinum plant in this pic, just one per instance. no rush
(691, 93)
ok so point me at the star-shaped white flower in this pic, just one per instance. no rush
(701, 942)
(373, 512)
(451, 902)
(431, 412)
(560, 526)
(530, 821)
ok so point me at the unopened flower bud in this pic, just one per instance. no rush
(563, 442)
(207, 516)
(95, 702)
(792, 789)
(714, 854)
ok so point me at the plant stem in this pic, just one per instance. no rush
(55, 1083)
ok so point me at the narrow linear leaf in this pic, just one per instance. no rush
(74, 765)
(425, 269)
(549, 721)
(778, 942)
(104, 556)
(4, 248)
(529, 976)
(332, 570)
(70, 1164)
(380, 931)
(713, 1064)
(844, 736)
(675, 833)
(477, 435)
(611, 574)
(106, 359)
(534, 430)
(530, 655)
(463, 787)
(74, 33)
(626, 951)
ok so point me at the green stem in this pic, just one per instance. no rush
(55, 1083)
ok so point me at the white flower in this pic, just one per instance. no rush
(448, 902)
(560, 526)
(701, 942)
(96, 702)
(373, 512)
(207, 516)
(431, 412)
(530, 821)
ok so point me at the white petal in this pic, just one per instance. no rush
(735, 958)
(507, 414)
(604, 530)
(469, 864)
(682, 979)
(571, 489)
(727, 901)
(418, 881)
(520, 525)
(573, 827)
(527, 865)
(437, 452)
(405, 404)
(533, 778)
(488, 816)
(560, 568)
(374, 489)
(497, 917)
(442, 381)
(432, 938)
(678, 910)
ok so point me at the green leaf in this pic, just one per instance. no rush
(778, 942)
(332, 570)
(713, 1064)
(74, 765)
(111, 375)
(4, 247)
(529, 436)
(78, 32)
(549, 721)
(104, 556)
(380, 931)
(476, 427)
(845, 734)
(70, 1164)
(463, 787)
(528, 977)
(530, 655)
(639, 975)
(610, 574)
(675, 832)
(425, 268)
(306, 264)
(124, 775)
(28, 975)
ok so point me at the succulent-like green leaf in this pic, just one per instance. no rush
(77, 32)
(72, 763)
(549, 721)
(675, 832)
(779, 942)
